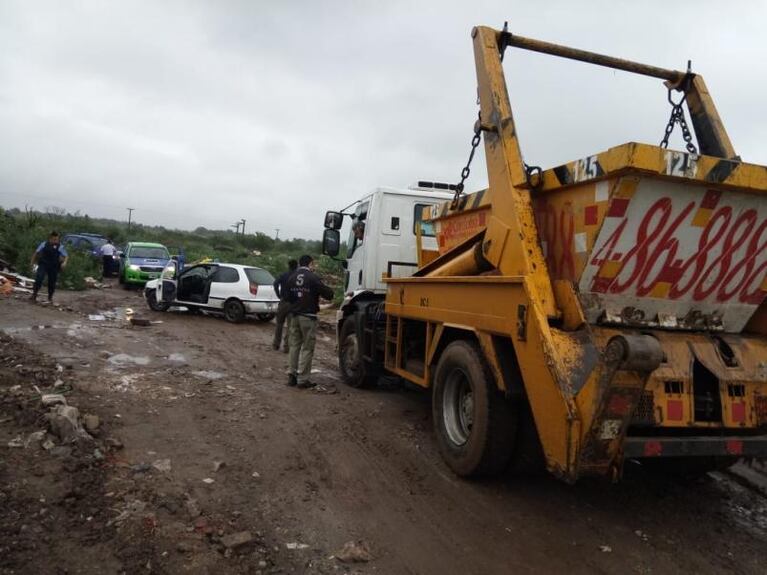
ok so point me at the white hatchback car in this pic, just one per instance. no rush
(233, 289)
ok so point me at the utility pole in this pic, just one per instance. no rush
(277, 237)
(236, 225)
(243, 226)
(130, 213)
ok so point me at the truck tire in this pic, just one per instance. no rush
(350, 362)
(474, 423)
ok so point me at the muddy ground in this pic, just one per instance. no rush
(203, 461)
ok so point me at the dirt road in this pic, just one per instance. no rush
(198, 439)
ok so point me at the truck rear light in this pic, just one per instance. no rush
(254, 289)
(674, 410)
(738, 412)
(760, 402)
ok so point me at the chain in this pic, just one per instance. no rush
(677, 117)
(467, 168)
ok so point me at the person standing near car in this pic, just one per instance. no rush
(283, 309)
(50, 257)
(107, 257)
(304, 291)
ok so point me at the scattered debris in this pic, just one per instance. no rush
(218, 465)
(208, 480)
(162, 465)
(140, 321)
(51, 399)
(35, 437)
(91, 422)
(193, 508)
(123, 359)
(96, 317)
(64, 424)
(256, 475)
(296, 545)
(208, 374)
(605, 549)
(235, 540)
(354, 552)
(16, 442)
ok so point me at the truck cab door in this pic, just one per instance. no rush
(166, 284)
(355, 249)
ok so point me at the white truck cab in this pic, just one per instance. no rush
(382, 235)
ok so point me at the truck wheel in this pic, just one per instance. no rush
(475, 425)
(234, 311)
(349, 357)
(154, 305)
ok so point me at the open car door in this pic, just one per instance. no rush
(166, 286)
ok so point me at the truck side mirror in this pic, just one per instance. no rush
(331, 242)
(334, 220)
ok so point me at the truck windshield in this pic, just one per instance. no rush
(153, 253)
(357, 233)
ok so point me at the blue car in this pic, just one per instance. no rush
(89, 243)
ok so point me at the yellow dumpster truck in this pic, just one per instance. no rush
(608, 309)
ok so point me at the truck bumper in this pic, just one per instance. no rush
(750, 446)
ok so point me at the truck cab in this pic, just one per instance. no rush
(383, 233)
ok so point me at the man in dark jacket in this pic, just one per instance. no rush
(50, 257)
(304, 291)
(283, 310)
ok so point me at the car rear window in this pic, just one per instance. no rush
(259, 276)
(142, 252)
(226, 275)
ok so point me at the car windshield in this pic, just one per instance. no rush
(144, 252)
(259, 276)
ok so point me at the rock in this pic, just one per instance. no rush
(236, 540)
(16, 442)
(61, 451)
(113, 442)
(605, 549)
(51, 399)
(91, 422)
(354, 552)
(64, 423)
(193, 508)
(184, 547)
(218, 465)
(162, 465)
(35, 438)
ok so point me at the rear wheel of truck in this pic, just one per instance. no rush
(350, 360)
(474, 423)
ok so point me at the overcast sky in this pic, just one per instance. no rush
(202, 113)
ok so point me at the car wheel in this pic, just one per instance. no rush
(234, 311)
(264, 317)
(350, 361)
(154, 305)
(474, 423)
